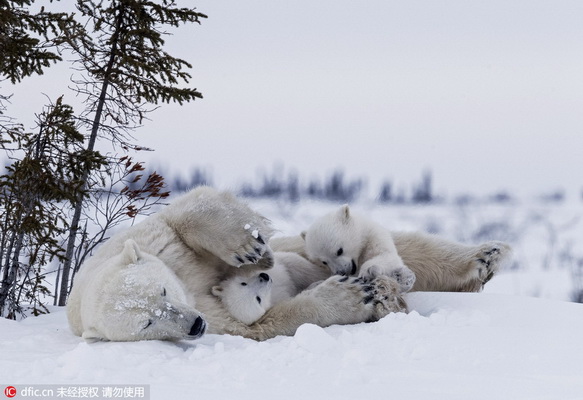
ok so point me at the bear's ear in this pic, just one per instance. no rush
(344, 213)
(303, 235)
(131, 252)
(217, 291)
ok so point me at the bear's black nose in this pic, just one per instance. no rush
(198, 327)
(264, 277)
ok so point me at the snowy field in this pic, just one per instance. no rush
(519, 339)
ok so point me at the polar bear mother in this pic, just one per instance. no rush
(203, 238)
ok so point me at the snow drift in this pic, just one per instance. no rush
(449, 346)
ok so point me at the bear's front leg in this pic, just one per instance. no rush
(221, 224)
(242, 240)
(338, 300)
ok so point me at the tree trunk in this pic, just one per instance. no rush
(10, 270)
(74, 228)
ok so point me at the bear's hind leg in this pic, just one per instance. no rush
(444, 265)
(484, 262)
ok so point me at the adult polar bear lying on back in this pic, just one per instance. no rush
(205, 237)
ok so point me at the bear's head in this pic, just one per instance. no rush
(246, 296)
(335, 241)
(140, 297)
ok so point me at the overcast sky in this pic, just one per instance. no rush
(486, 94)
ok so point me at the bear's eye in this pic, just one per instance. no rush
(243, 284)
(258, 299)
(324, 262)
(339, 252)
(163, 292)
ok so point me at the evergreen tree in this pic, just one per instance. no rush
(126, 73)
(32, 193)
(423, 192)
(43, 169)
(386, 193)
(28, 40)
(28, 45)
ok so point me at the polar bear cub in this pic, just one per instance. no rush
(247, 297)
(132, 296)
(351, 244)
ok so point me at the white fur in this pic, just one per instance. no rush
(206, 237)
(432, 262)
(290, 275)
(246, 297)
(439, 264)
(133, 284)
(350, 244)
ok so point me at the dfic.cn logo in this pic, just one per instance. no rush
(10, 391)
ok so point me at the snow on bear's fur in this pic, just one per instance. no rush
(132, 296)
(206, 237)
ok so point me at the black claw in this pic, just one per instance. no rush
(488, 277)
(493, 251)
(253, 259)
(368, 299)
(358, 280)
(343, 279)
(258, 251)
(368, 288)
(238, 258)
(484, 261)
(260, 239)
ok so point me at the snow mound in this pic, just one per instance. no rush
(449, 346)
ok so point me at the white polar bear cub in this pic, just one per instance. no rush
(350, 244)
(132, 296)
(248, 296)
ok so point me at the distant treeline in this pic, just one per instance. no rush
(335, 187)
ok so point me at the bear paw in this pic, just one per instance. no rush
(222, 225)
(253, 249)
(404, 277)
(401, 274)
(488, 259)
(383, 293)
(373, 299)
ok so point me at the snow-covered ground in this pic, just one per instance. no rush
(452, 346)
(499, 344)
